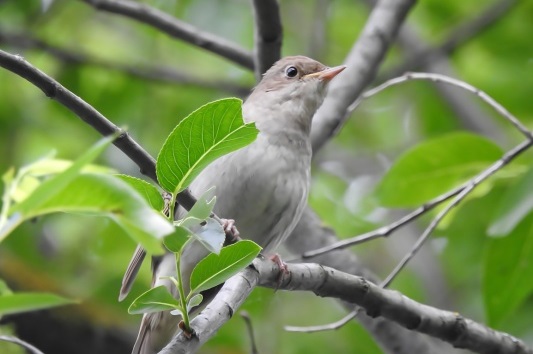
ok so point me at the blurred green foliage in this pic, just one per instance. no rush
(76, 257)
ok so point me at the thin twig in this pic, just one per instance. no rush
(268, 35)
(386, 231)
(160, 74)
(22, 343)
(468, 188)
(177, 29)
(327, 327)
(451, 81)
(250, 328)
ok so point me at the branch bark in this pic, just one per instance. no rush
(328, 282)
(268, 35)
(362, 64)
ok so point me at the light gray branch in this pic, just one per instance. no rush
(268, 35)
(176, 28)
(362, 64)
(328, 282)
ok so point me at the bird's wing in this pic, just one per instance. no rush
(131, 272)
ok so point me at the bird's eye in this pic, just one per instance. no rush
(291, 71)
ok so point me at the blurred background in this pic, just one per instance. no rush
(145, 81)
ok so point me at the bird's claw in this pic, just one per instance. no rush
(230, 229)
(283, 269)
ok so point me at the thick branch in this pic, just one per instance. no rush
(328, 282)
(268, 35)
(176, 28)
(362, 64)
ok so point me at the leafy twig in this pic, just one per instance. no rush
(89, 115)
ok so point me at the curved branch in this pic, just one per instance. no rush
(177, 29)
(328, 282)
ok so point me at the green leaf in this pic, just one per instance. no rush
(209, 132)
(508, 265)
(200, 211)
(49, 188)
(154, 300)
(516, 204)
(176, 240)
(433, 167)
(203, 207)
(55, 184)
(194, 301)
(216, 269)
(145, 189)
(106, 195)
(24, 302)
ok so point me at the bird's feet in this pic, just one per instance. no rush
(283, 269)
(231, 231)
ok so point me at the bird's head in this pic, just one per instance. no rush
(292, 90)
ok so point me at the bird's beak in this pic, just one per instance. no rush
(328, 74)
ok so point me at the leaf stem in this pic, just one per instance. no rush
(183, 300)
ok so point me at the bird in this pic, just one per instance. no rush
(262, 187)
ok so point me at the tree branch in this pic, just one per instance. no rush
(362, 64)
(268, 35)
(89, 115)
(328, 282)
(176, 28)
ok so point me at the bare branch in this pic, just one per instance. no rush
(448, 80)
(362, 64)
(387, 230)
(328, 327)
(310, 234)
(328, 282)
(177, 29)
(268, 35)
(161, 74)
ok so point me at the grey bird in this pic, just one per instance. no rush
(263, 187)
